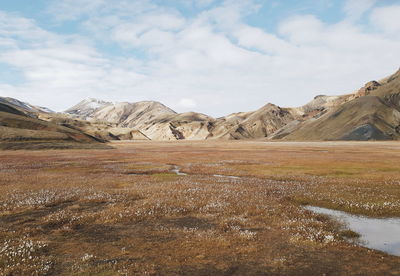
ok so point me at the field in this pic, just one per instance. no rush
(237, 211)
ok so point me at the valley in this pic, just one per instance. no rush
(199, 138)
(195, 208)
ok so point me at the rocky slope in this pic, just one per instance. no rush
(120, 121)
(100, 130)
(373, 113)
(24, 107)
(251, 125)
(19, 129)
(135, 115)
(124, 114)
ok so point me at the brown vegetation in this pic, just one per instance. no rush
(125, 211)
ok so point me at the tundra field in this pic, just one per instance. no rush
(195, 208)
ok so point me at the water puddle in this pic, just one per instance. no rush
(177, 170)
(380, 234)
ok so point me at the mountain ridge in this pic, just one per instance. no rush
(22, 130)
(370, 113)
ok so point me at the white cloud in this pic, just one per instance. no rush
(213, 63)
(196, 3)
(73, 9)
(354, 9)
(302, 29)
(187, 103)
(387, 19)
(63, 10)
(251, 37)
(150, 30)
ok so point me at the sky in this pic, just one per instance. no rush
(210, 56)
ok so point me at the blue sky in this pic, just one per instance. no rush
(209, 56)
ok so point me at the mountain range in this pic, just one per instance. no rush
(371, 113)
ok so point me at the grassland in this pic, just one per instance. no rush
(124, 212)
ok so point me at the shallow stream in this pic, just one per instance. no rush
(177, 170)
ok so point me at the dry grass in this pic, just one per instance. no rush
(122, 211)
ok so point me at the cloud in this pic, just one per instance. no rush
(150, 30)
(354, 9)
(387, 19)
(73, 9)
(65, 10)
(302, 29)
(64, 66)
(195, 3)
(187, 103)
(257, 39)
(213, 62)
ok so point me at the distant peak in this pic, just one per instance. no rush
(86, 106)
(93, 100)
(270, 105)
(150, 102)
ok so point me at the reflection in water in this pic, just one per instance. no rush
(380, 234)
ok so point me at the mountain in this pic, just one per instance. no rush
(158, 122)
(152, 119)
(372, 114)
(319, 104)
(101, 130)
(21, 131)
(124, 113)
(125, 120)
(184, 126)
(86, 108)
(26, 107)
(132, 114)
(252, 125)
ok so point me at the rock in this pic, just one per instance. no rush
(368, 87)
